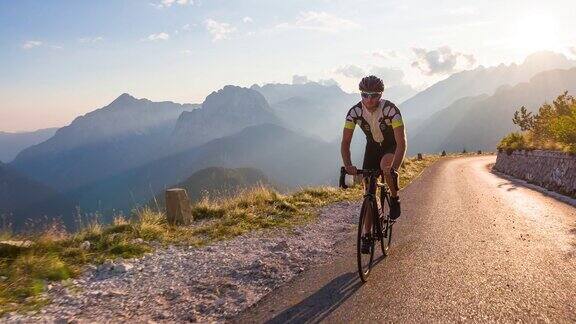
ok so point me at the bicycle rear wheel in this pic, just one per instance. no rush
(365, 260)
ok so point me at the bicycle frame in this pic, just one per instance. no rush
(370, 193)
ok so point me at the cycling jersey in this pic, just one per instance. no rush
(386, 117)
(389, 117)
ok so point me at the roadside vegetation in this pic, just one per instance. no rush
(28, 263)
(552, 128)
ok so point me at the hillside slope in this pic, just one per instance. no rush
(478, 123)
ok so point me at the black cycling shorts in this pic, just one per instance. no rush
(374, 153)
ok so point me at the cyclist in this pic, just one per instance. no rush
(381, 122)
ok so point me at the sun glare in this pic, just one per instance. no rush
(535, 32)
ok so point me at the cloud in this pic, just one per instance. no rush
(184, 28)
(31, 44)
(186, 52)
(300, 79)
(395, 87)
(390, 76)
(385, 54)
(350, 71)
(463, 11)
(328, 82)
(86, 40)
(158, 37)
(470, 59)
(169, 3)
(247, 20)
(219, 30)
(441, 60)
(319, 21)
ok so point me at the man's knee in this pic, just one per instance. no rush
(386, 161)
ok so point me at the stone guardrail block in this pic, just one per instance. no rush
(178, 209)
(552, 170)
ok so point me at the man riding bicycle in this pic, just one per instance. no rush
(381, 122)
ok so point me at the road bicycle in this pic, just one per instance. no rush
(381, 225)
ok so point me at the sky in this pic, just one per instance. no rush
(62, 59)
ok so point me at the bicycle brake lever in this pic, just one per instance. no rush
(342, 182)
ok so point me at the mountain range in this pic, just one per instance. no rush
(23, 199)
(222, 113)
(286, 158)
(13, 143)
(476, 82)
(16, 190)
(122, 135)
(310, 108)
(478, 123)
(120, 155)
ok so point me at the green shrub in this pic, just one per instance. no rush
(564, 128)
(48, 267)
(552, 128)
(513, 141)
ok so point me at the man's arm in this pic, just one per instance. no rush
(400, 137)
(345, 146)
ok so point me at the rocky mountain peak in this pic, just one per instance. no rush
(224, 112)
(234, 99)
(125, 100)
(548, 60)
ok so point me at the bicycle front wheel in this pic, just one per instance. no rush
(365, 259)
(385, 225)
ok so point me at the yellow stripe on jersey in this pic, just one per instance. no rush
(349, 124)
(397, 123)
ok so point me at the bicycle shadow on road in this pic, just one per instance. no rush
(323, 302)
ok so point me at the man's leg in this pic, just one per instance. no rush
(386, 163)
(371, 162)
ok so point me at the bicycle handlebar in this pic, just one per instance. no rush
(366, 172)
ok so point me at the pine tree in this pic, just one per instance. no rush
(524, 119)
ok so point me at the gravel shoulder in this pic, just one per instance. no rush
(213, 283)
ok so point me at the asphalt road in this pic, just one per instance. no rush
(470, 246)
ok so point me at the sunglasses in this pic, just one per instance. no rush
(372, 95)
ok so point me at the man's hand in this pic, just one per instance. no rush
(351, 170)
(389, 168)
